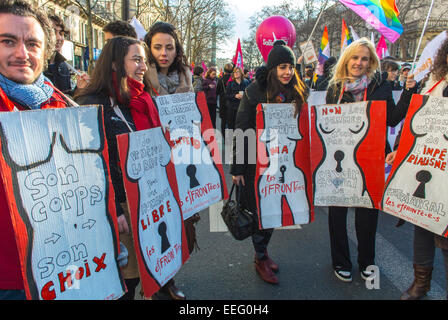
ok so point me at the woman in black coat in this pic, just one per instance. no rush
(233, 94)
(276, 83)
(356, 73)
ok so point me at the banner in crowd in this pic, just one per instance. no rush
(156, 217)
(347, 153)
(416, 188)
(55, 172)
(194, 150)
(426, 59)
(308, 52)
(283, 180)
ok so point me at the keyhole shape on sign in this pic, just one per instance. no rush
(282, 170)
(339, 156)
(162, 232)
(423, 177)
(191, 172)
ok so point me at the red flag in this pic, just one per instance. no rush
(238, 58)
(381, 48)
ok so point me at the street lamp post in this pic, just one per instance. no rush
(125, 10)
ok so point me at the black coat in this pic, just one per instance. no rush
(232, 89)
(113, 126)
(59, 74)
(221, 87)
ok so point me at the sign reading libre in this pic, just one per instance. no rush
(54, 167)
(156, 217)
(415, 190)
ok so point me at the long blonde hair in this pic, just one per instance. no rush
(340, 73)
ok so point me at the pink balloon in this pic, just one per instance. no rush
(272, 29)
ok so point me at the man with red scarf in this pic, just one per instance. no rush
(26, 40)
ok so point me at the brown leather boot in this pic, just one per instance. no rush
(421, 284)
(271, 263)
(171, 290)
(264, 271)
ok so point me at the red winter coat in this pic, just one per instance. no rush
(10, 274)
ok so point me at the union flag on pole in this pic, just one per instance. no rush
(238, 58)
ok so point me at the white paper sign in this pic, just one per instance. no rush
(61, 183)
(426, 61)
(200, 183)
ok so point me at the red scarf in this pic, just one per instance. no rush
(135, 87)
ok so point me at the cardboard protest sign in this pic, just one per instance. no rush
(308, 52)
(153, 200)
(283, 177)
(347, 154)
(426, 59)
(416, 188)
(194, 150)
(54, 165)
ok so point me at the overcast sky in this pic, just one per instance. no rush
(242, 10)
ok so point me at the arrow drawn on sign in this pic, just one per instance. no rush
(89, 224)
(54, 238)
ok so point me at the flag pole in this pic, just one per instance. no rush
(314, 28)
(421, 37)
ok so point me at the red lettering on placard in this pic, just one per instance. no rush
(100, 262)
(48, 292)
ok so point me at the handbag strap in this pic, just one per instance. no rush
(119, 113)
(231, 191)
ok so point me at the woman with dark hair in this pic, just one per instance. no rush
(322, 81)
(198, 73)
(209, 87)
(234, 94)
(119, 85)
(425, 242)
(168, 68)
(356, 78)
(169, 73)
(278, 82)
(392, 68)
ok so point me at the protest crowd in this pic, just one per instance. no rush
(133, 81)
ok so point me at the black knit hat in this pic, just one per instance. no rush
(279, 54)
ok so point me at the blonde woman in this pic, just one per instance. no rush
(356, 77)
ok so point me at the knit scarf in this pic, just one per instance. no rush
(169, 82)
(28, 95)
(357, 87)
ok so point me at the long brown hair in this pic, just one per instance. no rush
(112, 57)
(440, 67)
(180, 61)
(295, 90)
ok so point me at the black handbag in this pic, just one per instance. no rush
(239, 221)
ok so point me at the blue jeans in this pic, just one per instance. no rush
(12, 295)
